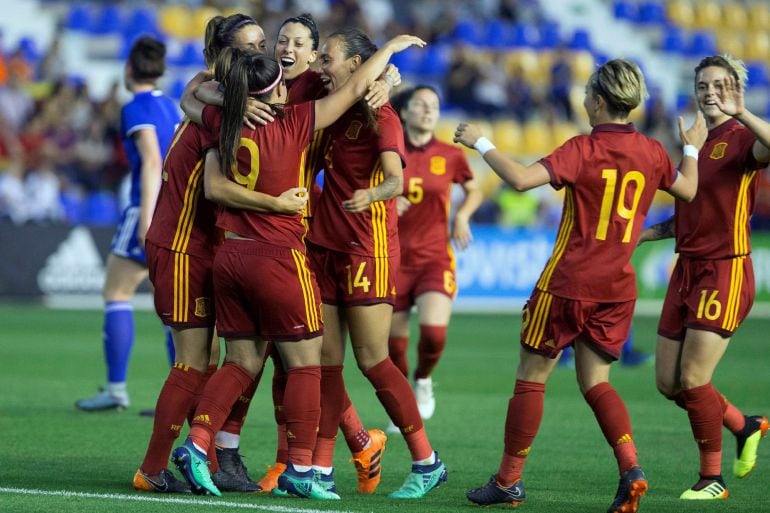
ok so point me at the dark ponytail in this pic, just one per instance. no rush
(221, 31)
(251, 75)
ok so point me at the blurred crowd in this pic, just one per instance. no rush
(61, 158)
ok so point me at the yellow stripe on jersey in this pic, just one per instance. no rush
(379, 234)
(740, 231)
(533, 335)
(730, 318)
(189, 207)
(308, 294)
(181, 287)
(567, 222)
(175, 139)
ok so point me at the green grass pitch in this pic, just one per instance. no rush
(55, 459)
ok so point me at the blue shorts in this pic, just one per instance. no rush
(125, 243)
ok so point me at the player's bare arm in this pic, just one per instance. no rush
(660, 231)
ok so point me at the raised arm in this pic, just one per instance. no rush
(686, 185)
(219, 189)
(732, 104)
(328, 109)
(520, 177)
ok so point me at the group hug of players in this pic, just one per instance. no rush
(291, 272)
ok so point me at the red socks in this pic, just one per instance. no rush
(174, 401)
(525, 411)
(732, 417)
(356, 435)
(397, 347)
(221, 392)
(302, 407)
(704, 408)
(612, 415)
(279, 388)
(237, 417)
(396, 396)
(429, 349)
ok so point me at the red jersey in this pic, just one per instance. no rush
(304, 88)
(270, 159)
(352, 161)
(423, 230)
(610, 177)
(184, 221)
(716, 224)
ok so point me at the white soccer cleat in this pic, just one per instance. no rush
(103, 401)
(423, 392)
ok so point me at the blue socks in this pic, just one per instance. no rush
(118, 339)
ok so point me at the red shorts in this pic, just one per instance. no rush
(710, 295)
(551, 323)
(266, 291)
(412, 282)
(184, 287)
(349, 280)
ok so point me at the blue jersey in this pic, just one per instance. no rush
(151, 109)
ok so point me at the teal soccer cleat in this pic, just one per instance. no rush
(421, 480)
(192, 464)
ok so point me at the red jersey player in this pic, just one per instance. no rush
(712, 286)
(426, 275)
(264, 288)
(353, 244)
(585, 295)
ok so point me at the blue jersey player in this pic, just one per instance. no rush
(148, 122)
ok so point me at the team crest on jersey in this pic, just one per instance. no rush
(353, 130)
(437, 165)
(202, 306)
(719, 151)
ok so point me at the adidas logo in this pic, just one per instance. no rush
(714, 489)
(625, 439)
(75, 267)
(289, 434)
(524, 452)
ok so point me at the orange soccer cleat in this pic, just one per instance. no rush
(368, 461)
(270, 481)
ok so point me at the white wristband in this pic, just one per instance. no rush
(690, 151)
(483, 145)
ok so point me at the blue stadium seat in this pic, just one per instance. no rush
(758, 74)
(101, 209)
(107, 21)
(702, 43)
(176, 89)
(625, 10)
(497, 34)
(549, 35)
(72, 206)
(673, 40)
(683, 101)
(525, 36)
(468, 32)
(652, 12)
(78, 18)
(581, 40)
(191, 55)
(141, 20)
(436, 59)
(28, 48)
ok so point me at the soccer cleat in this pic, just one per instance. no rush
(232, 475)
(421, 480)
(368, 462)
(747, 444)
(326, 481)
(103, 401)
(193, 465)
(270, 482)
(632, 487)
(707, 488)
(495, 493)
(423, 393)
(302, 484)
(167, 483)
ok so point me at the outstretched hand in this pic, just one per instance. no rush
(467, 134)
(404, 41)
(731, 100)
(696, 134)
